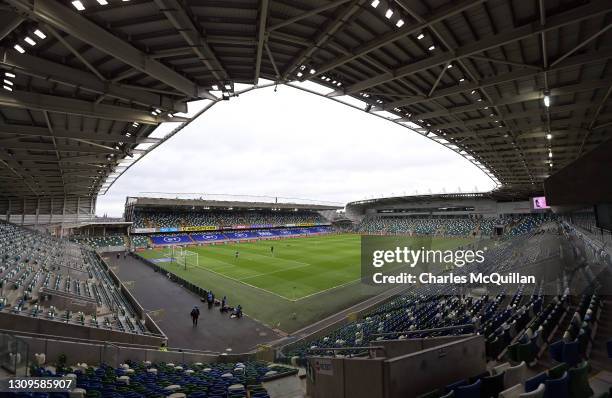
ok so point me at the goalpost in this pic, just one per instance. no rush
(182, 256)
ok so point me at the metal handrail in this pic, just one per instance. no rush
(376, 347)
(441, 329)
(368, 350)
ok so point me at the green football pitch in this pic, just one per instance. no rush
(301, 281)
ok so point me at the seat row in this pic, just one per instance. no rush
(506, 381)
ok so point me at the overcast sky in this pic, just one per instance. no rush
(297, 145)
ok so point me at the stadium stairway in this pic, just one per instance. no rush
(545, 360)
(287, 387)
(599, 355)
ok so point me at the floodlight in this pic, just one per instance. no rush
(78, 5)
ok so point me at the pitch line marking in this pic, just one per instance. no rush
(229, 265)
(328, 289)
(268, 291)
(253, 276)
(239, 281)
(269, 257)
(274, 272)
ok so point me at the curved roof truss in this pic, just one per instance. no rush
(519, 88)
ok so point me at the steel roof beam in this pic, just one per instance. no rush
(307, 14)
(504, 152)
(43, 102)
(226, 39)
(324, 35)
(536, 94)
(8, 22)
(515, 75)
(582, 44)
(439, 15)
(193, 35)
(556, 125)
(98, 161)
(102, 136)
(171, 52)
(513, 115)
(75, 78)
(576, 15)
(600, 107)
(63, 18)
(51, 146)
(506, 62)
(261, 37)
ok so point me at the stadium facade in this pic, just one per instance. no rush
(458, 204)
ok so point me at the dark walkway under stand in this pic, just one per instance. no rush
(215, 331)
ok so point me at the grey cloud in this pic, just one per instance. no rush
(294, 144)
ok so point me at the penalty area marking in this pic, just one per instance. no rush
(266, 290)
(267, 257)
(277, 271)
(238, 280)
(328, 289)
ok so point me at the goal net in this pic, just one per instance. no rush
(182, 256)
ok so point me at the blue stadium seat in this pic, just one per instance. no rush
(532, 384)
(557, 388)
(469, 391)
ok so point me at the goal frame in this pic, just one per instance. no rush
(180, 255)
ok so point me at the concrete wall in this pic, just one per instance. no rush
(327, 378)
(404, 376)
(364, 377)
(434, 367)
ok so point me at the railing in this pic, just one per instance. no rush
(108, 249)
(600, 235)
(369, 350)
(51, 338)
(174, 278)
(428, 331)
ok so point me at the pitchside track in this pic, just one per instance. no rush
(300, 282)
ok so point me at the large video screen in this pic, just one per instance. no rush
(539, 203)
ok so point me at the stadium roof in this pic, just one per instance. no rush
(520, 88)
(224, 204)
(500, 195)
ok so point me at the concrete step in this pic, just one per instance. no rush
(287, 387)
(599, 355)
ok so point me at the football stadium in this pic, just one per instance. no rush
(466, 294)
